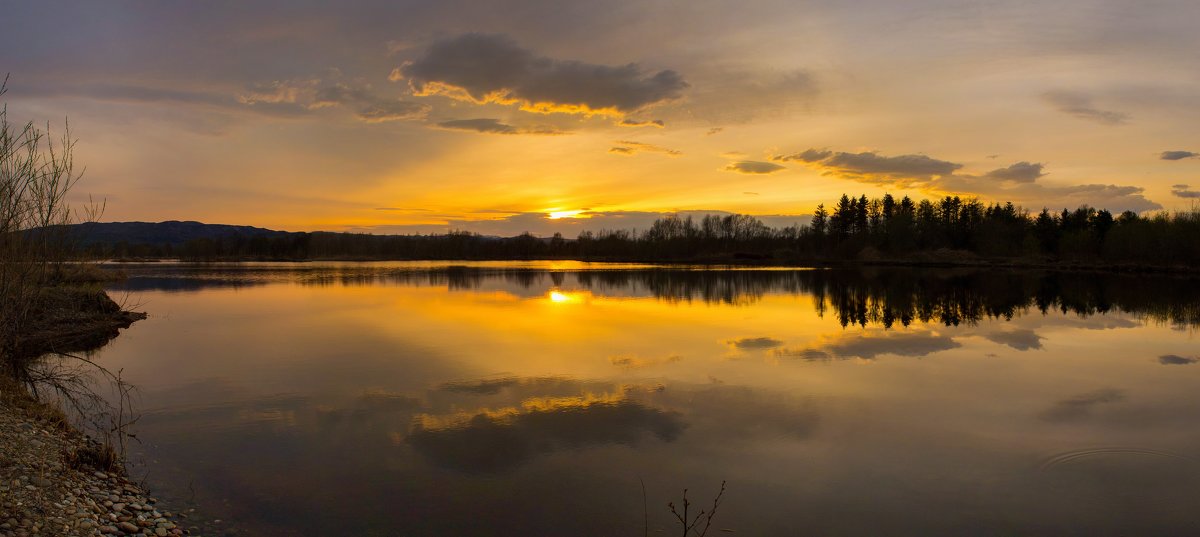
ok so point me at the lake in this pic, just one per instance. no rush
(539, 398)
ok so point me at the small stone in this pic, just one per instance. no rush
(101, 475)
(128, 528)
(108, 529)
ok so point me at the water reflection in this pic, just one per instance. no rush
(885, 297)
(527, 399)
(494, 439)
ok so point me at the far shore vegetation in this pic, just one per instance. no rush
(951, 231)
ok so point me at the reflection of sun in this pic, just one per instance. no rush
(555, 215)
(568, 297)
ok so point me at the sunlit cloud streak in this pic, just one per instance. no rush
(629, 147)
(754, 167)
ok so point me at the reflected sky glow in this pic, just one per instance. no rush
(444, 389)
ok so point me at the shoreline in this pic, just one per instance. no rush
(750, 261)
(49, 487)
(54, 478)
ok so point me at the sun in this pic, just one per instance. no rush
(555, 215)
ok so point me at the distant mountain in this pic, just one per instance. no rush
(173, 233)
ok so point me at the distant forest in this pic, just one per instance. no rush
(951, 230)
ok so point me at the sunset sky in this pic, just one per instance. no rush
(503, 117)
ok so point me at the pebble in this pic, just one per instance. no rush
(42, 496)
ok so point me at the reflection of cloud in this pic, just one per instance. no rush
(753, 167)
(1175, 359)
(494, 440)
(869, 346)
(1021, 340)
(1178, 155)
(494, 126)
(753, 343)
(1080, 106)
(480, 387)
(634, 362)
(486, 68)
(1080, 406)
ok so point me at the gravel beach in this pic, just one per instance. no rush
(43, 493)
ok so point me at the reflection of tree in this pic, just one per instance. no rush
(883, 297)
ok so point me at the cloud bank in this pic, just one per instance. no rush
(490, 68)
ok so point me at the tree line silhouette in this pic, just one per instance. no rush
(861, 228)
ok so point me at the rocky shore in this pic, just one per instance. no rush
(48, 488)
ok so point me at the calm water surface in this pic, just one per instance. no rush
(536, 398)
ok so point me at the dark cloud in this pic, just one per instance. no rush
(872, 166)
(808, 155)
(1017, 182)
(486, 68)
(339, 94)
(1183, 191)
(714, 130)
(494, 126)
(1021, 340)
(628, 147)
(899, 166)
(1081, 406)
(1178, 155)
(754, 167)
(492, 441)
(314, 94)
(392, 110)
(643, 123)
(1175, 359)
(754, 343)
(1080, 106)
(869, 346)
(1021, 172)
